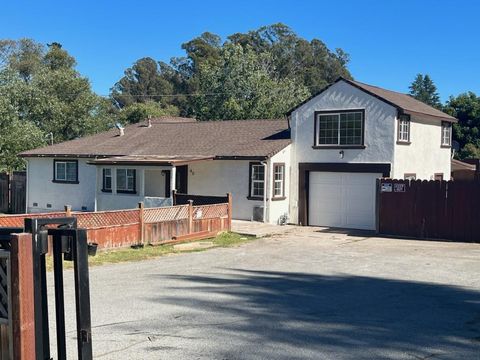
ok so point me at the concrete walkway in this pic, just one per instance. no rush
(259, 229)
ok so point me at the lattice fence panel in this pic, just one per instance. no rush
(210, 211)
(18, 220)
(107, 218)
(154, 215)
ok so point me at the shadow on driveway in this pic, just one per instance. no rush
(284, 315)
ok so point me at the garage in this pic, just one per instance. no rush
(342, 199)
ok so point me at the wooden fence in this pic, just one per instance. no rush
(447, 210)
(13, 192)
(123, 228)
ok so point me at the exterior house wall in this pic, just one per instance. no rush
(379, 133)
(219, 177)
(41, 189)
(424, 156)
(279, 208)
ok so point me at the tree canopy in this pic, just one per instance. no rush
(41, 94)
(423, 89)
(234, 78)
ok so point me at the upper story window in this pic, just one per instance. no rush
(446, 134)
(107, 180)
(403, 135)
(339, 128)
(126, 181)
(65, 171)
(278, 180)
(257, 180)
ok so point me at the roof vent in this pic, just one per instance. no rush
(120, 129)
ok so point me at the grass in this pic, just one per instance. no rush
(149, 252)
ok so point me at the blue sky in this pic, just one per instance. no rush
(388, 41)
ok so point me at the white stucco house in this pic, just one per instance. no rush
(318, 166)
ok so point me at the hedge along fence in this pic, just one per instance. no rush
(122, 228)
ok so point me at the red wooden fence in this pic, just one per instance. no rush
(447, 210)
(122, 228)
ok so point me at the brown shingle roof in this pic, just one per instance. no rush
(219, 139)
(403, 102)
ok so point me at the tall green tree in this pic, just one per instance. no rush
(179, 83)
(41, 94)
(466, 108)
(242, 84)
(424, 89)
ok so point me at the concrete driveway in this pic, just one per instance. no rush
(306, 294)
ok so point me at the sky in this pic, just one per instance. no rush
(389, 41)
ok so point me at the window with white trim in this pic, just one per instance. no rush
(404, 128)
(446, 133)
(126, 180)
(107, 180)
(65, 171)
(278, 180)
(257, 180)
(339, 129)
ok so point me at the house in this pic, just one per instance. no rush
(316, 167)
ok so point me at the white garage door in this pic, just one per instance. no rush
(345, 200)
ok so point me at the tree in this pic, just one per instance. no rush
(424, 89)
(138, 112)
(142, 82)
(293, 60)
(242, 84)
(42, 93)
(466, 108)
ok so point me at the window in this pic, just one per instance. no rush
(404, 129)
(257, 180)
(65, 171)
(410, 176)
(126, 180)
(107, 180)
(341, 129)
(278, 181)
(446, 134)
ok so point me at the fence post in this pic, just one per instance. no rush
(141, 207)
(190, 216)
(68, 210)
(229, 225)
(22, 297)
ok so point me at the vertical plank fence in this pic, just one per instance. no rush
(447, 210)
(13, 192)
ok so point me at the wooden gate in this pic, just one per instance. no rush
(13, 192)
(429, 209)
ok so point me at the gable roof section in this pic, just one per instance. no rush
(403, 102)
(232, 139)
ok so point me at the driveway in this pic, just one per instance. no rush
(305, 294)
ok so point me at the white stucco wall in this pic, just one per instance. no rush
(424, 156)
(219, 177)
(43, 191)
(279, 208)
(379, 133)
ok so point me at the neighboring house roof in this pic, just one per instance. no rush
(460, 165)
(242, 139)
(403, 102)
